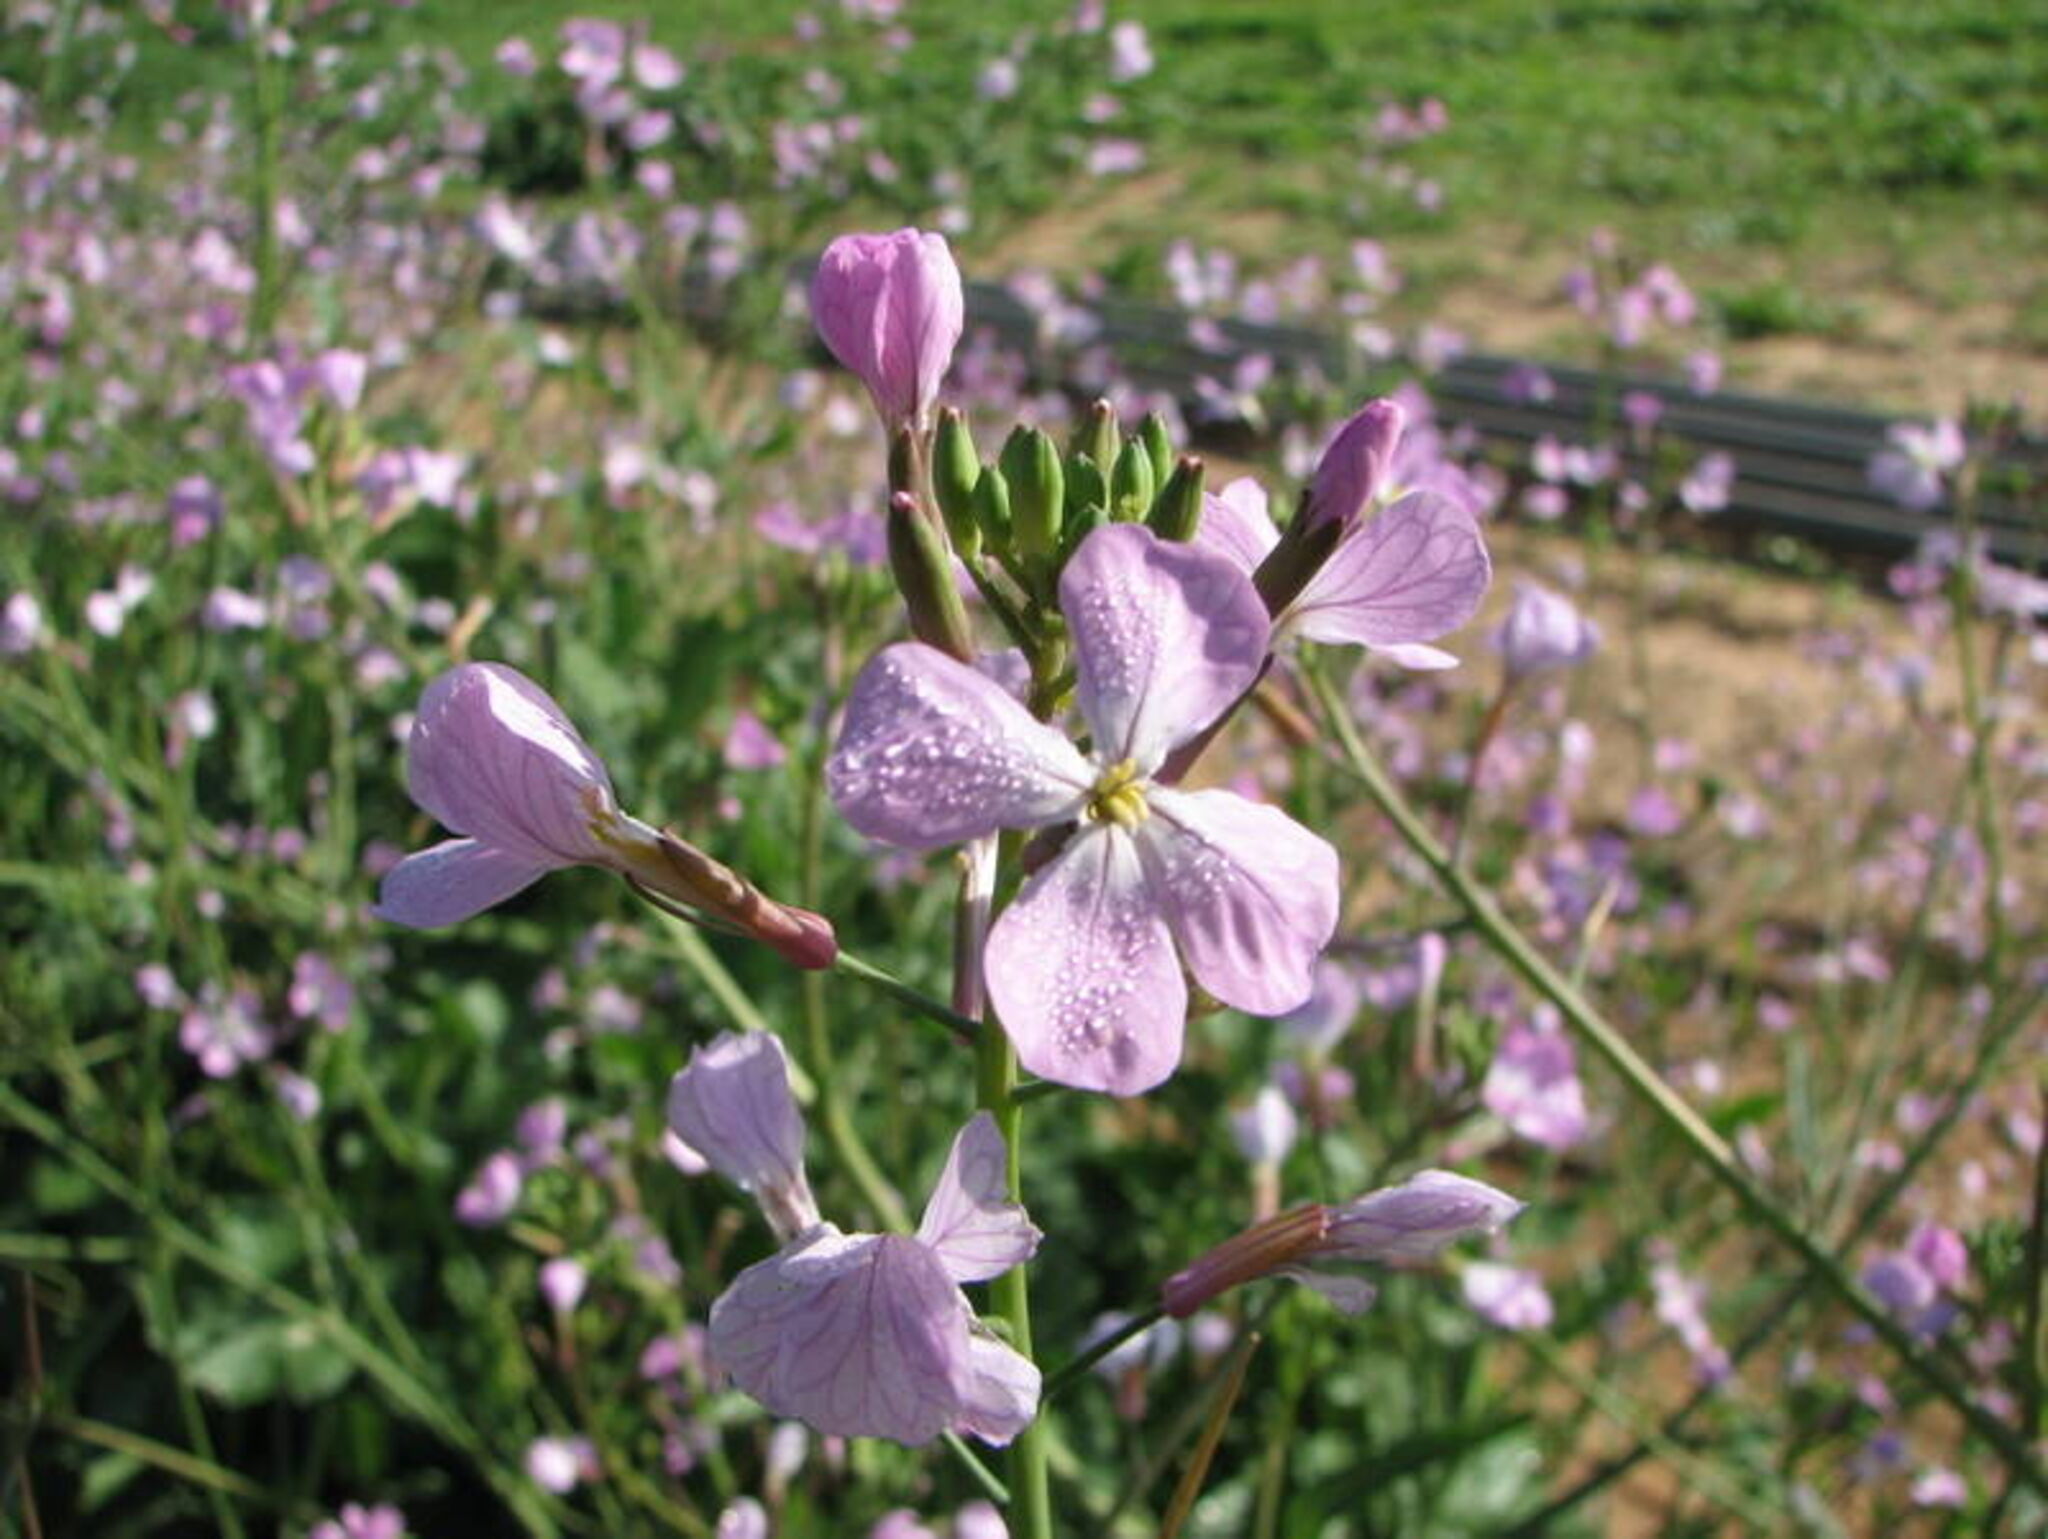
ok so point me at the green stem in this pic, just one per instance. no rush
(1707, 1147)
(1089, 1356)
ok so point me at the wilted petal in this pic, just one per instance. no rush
(1166, 637)
(1417, 1219)
(733, 1105)
(1082, 972)
(970, 1224)
(492, 756)
(935, 753)
(1001, 1393)
(1251, 895)
(452, 881)
(1237, 526)
(859, 1335)
(1415, 572)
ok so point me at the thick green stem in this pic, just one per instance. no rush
(1706, 1146)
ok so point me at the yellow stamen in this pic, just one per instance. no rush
(1117, 797)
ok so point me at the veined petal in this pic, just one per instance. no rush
(452, 881)
(1166, 636)
(970, 1224)
(1081, 970)
(1237, 526)
(1415, 572)
(935, 753)
(1251, 894)
(491, 755)
(862, 1335)
(1002, 1390)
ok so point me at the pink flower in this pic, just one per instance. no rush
(1507, 1296)
(557, 1464)
(1396, 581)
(891, 310)
(492, 1193)
(356, 1521)
(495, 759)
(1533, 1085)
(1913, 472)
(859, 1335)
(1544, 630)
(1081, 966)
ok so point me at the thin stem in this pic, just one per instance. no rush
(920, 1003)
(1468, 793)
(977, 1471)
(1707, 1147)
(1071, 1371)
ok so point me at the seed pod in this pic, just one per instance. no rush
(923, 568)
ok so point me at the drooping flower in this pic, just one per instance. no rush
(859, 1335)
(891, 309)
(1081, 966)
(1396, 581)
(1407, 1223)
(495, 759)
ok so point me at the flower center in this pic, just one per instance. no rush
(1118, 796)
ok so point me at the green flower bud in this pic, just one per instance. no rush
(1086, 487)
(1152, 433)
(955, 470)
(1130, 484)
(1031, 465)
(923, 568)
(992, 509)
(1098, 436)
(1177, 512)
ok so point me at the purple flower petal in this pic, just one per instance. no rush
(858, 1335)
(1251, 895)
(1415, 572)
(970, 1223)
(733, 1105)
(1237, 526)
(492, 756)
(935, 753)
(1350, 1293)
(1415, 1220)
(1166, 637)
(452, 881)
(1417, 656)
(1001, 1393)
(1082, 972)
